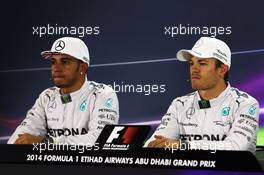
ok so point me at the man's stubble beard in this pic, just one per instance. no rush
(70, 82)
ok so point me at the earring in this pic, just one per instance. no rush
(81, 73)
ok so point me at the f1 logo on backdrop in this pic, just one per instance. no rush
(123, 137)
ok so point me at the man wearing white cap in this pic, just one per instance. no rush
(76, 110)
(216, 116)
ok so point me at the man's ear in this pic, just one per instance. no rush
(84, 67)
(224, 69)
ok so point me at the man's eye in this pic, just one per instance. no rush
(65, 61)
(52, 62)
(191, 63)
(203, 64)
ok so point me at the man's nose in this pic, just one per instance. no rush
(56, 67)
(195, 68)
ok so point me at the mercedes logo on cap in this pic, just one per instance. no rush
(59, 45)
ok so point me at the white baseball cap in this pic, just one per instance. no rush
(207, 47)
(74, 47)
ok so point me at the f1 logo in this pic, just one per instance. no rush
(114, 134)
(127, 135)
(122, 137)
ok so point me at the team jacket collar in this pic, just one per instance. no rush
(213, 102)
(83, 88)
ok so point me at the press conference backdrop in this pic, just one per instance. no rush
(132, 47)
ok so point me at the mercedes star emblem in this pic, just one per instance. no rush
(59, 45)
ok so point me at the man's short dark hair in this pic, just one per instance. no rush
(218, 64)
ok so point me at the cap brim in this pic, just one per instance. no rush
(47, 54)
(186, 55)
